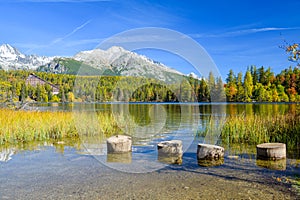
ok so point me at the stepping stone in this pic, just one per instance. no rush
(119, 144)
(172, 147)
(271, 151)
(170, 152)
(209, 152)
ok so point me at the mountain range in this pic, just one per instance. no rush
(12, 58)
(113, 61)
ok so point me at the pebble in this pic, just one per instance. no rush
(233, 157)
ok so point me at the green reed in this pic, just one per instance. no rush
(254, 129)
(26, 126)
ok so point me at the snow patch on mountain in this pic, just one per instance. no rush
(12, 58)
(113, 61)
(126, 63)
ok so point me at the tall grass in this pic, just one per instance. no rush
(254, 129)
(26, 126)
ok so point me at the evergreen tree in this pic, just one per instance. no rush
(261, 75)
(231, 87)
(212, 87)
(254, 74)
(220, 92)
(240, 96)
(203, 93)
(248, 86)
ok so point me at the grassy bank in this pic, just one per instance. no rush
(254, 129)
(27, 126)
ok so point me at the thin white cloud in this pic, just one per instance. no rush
(243, 32)
(257, 30)
(56, 40)
(71, 33)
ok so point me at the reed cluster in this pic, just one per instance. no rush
(254, 129)
(26, 126)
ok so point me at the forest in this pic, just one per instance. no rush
(255, 85)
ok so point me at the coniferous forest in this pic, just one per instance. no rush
(255, 85)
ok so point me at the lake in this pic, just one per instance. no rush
(82, 169)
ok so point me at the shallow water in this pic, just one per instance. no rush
(46, 173)
(81, 169)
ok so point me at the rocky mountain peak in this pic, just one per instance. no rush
(113, 61)
(117, 60)
(7, 51)
(115, 49)
(12, 58)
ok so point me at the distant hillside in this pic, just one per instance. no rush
(118, 61)
(114, 61)
(69, 66)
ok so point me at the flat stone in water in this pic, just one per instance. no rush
(170, 152)
(172, 147)
(272, 151)
(119, 144)
(209, 152)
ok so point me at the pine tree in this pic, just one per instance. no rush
(254, 74)
(203, 93)
(240, 96)
(248, 85)
(220, 92)
(231, 88)
(212, 87)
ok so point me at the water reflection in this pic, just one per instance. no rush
(204, 108)
(92, 148)
(119, 157)
(6, 154)
(210, 163)
(169, 159)
(270, 164)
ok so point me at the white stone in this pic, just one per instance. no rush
(119, 144)
(273, 151)
(172, 147)
(209, 152)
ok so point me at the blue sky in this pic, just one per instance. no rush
(235, 33)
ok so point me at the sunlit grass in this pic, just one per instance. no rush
(254, 129)
(26, 126)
